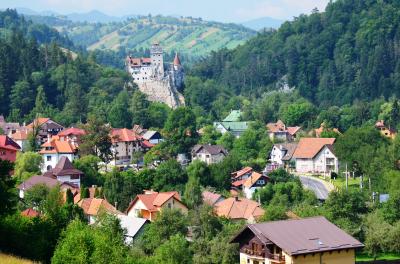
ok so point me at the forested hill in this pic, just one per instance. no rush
(350, 51)
(187, 35)
(11, 22)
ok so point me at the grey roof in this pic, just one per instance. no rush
(131, 224)
(309, 235)
(64, 167)
(35, 180)
(289, 147)
(149, 134)
(211, 149)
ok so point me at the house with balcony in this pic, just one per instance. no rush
(65, 172)
(282, 154)
(279, 132)
(309, 240)
(72, 135)
(46, 128)
(53, 150)
(125, 142)
(316, 155)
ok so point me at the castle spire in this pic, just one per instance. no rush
(177, 61)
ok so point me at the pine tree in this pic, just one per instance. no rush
(192, 195)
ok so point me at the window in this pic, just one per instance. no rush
(48, 158)
(261, 182)
(169, 205)
(2, 153)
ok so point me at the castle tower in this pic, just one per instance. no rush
(177, 73)
(177, 62)
(157, 60)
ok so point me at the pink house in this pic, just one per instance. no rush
(8, 148)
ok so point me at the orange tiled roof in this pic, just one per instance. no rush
(241, 172)
(123, 135)
(8, 143)
(255, 176)
(293, 130)
(154, 200)
(276, 127)
(20, 135)
(39, 121)
(72, 131)
(30, 212)
(239, 208)
(92, 206)
(58, 146)
(309, 147)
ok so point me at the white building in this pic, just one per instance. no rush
(281, 154)
(53, 150)
(125, 143)
(316, 155)
(65, 172)
(209, 154)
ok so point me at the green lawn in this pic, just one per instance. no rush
(365, 257)
(353, 183)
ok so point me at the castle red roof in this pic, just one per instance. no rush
(177, 61)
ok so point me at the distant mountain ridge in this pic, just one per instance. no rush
(263, 22)
(193, 37)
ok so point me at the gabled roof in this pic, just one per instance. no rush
(309, 235)
(255, 176)
(154, 200)
(35, 180)
(239, 208)
(293, 130)
(234, 126)
(64, 167)
(308, 148)
(149, 134)
(30, 212)
(72, 131)
(211, 149)
(38, 122)
(20, 134)
(210, 198)
(57, 146)
(131, 224)
(123, 135)
(241, 172)
(93, 206)
(234, 116)
(279, 126)
(8, 143)
(290, 148)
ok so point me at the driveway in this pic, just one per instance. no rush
(317, 186)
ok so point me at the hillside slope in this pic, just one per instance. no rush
(348, 52)
(187, 35)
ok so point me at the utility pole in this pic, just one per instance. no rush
(346, 174)
(361, 181)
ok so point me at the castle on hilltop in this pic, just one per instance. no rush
(158, 83)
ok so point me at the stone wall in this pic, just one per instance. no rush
(163, 91)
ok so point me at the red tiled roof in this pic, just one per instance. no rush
(241, 172)
(309, 147)
(38, 122)
(123, 135)
(210, 197)
(58, 146)
(30, 213)
(72, 131)
(276, 127)
(147, 144)
(293, 130)
(177, 61)
(20, 135)
(8, 143)
(255, 176)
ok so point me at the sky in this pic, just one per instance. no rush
(218, 10)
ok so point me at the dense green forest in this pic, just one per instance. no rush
(346, 53)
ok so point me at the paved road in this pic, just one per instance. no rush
(316, 186)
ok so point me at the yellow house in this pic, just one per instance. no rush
(310, 240)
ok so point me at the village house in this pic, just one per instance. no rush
(151, 203)
(316, 155)
(30, 213)
(134, 227)
(46, 128)
(248, 181)
(54, 149)
(92, 207)
(124, 144)
(279, 132)
(153, 137)
(65, 172)
(50, 182)
(232, 124)
(72, 135)
(238, 209)
(385, 131)
(209, 154)
(8, 128)
(309, 240)
(21, 138)
(8, 148)
(282, 154)
(211, 198)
